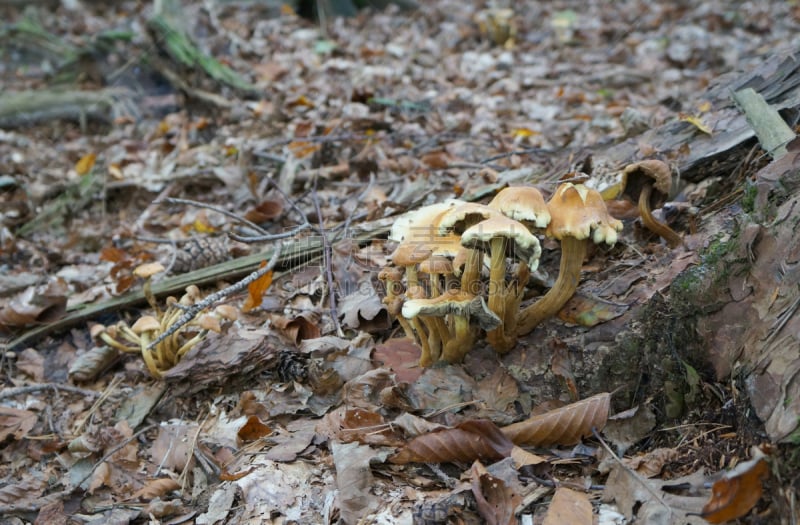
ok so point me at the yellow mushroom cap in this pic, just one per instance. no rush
(146, 323)
(461, 217)
(580, 212)
(636, 175)
(417, 225)
(148, 269)
(436, 264)
(410, 253)
(522, 203)
(455, 302)
(524, 245)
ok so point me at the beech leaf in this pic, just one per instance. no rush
(469, 441)
(563, 426)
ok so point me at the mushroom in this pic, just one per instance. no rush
(393, 300)
(577, 213)
(501, 235)
(464, 308)
(524, 204)
(456, 221)
(648, 182)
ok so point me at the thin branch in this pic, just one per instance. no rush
(234, 216)
(21, 390)
(270, 236)
(326, 258)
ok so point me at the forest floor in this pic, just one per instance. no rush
(309, 406)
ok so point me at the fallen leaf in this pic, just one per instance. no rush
(15, 422)
(496, 501)
(256, 290)
(696, 122)
(85, 164)
(264, 211)
(563, 426)
(561, 366)
(467, 442)
(733, 495)
(357, 424)
(569, 506)
(253, 429)
(590, 311)
(156, 488)
(401, 355)
(36, 305)
(298, 329)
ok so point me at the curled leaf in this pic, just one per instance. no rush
(36, 305)
(469, 441)
(733, 495)
(563, 426)
(256, 290)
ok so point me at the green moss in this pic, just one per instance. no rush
(748, 200)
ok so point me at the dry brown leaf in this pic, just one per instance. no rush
(357, 424)
(569, 506)
(733, 495)
(469, 441)
(562, 426)
(88, 365)
(15, 422)
(101, 476)
(495, 500)
(401, 355)
(561, 367)
(52, 514)
(651, 464)
(253, 429)
(24, 490)
(36, 305)
(299, 329)
(156, 488)
(265, 211)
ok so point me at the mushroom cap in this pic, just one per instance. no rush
(522, 203)
(390, 273)
(455, 302)
(461, 217)
(410, 253)
(523, 244)
(579, 212)
(146, 323)
(636, 175)
(416, 224)
(148, 269)
(436, 264)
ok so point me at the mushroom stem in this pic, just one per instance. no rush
(497, 295)
(472, 272)
(456, 348)
(659, 228)
(514, 295)
(572, 253)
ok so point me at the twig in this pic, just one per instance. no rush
(326, 258)
(269, 236)
(195, 309)
(631, 472)
(12, 392)
(196, 204)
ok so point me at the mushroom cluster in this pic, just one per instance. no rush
(462, 267)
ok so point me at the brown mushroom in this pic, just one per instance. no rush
(463, 308)
(648, 182)
(455, 221)
(501, 235)
(577, 212)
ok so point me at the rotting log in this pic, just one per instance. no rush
(725, 309)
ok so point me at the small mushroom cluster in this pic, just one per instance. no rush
(438, 287)
(161, 357)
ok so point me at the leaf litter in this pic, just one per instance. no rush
(308, 408)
